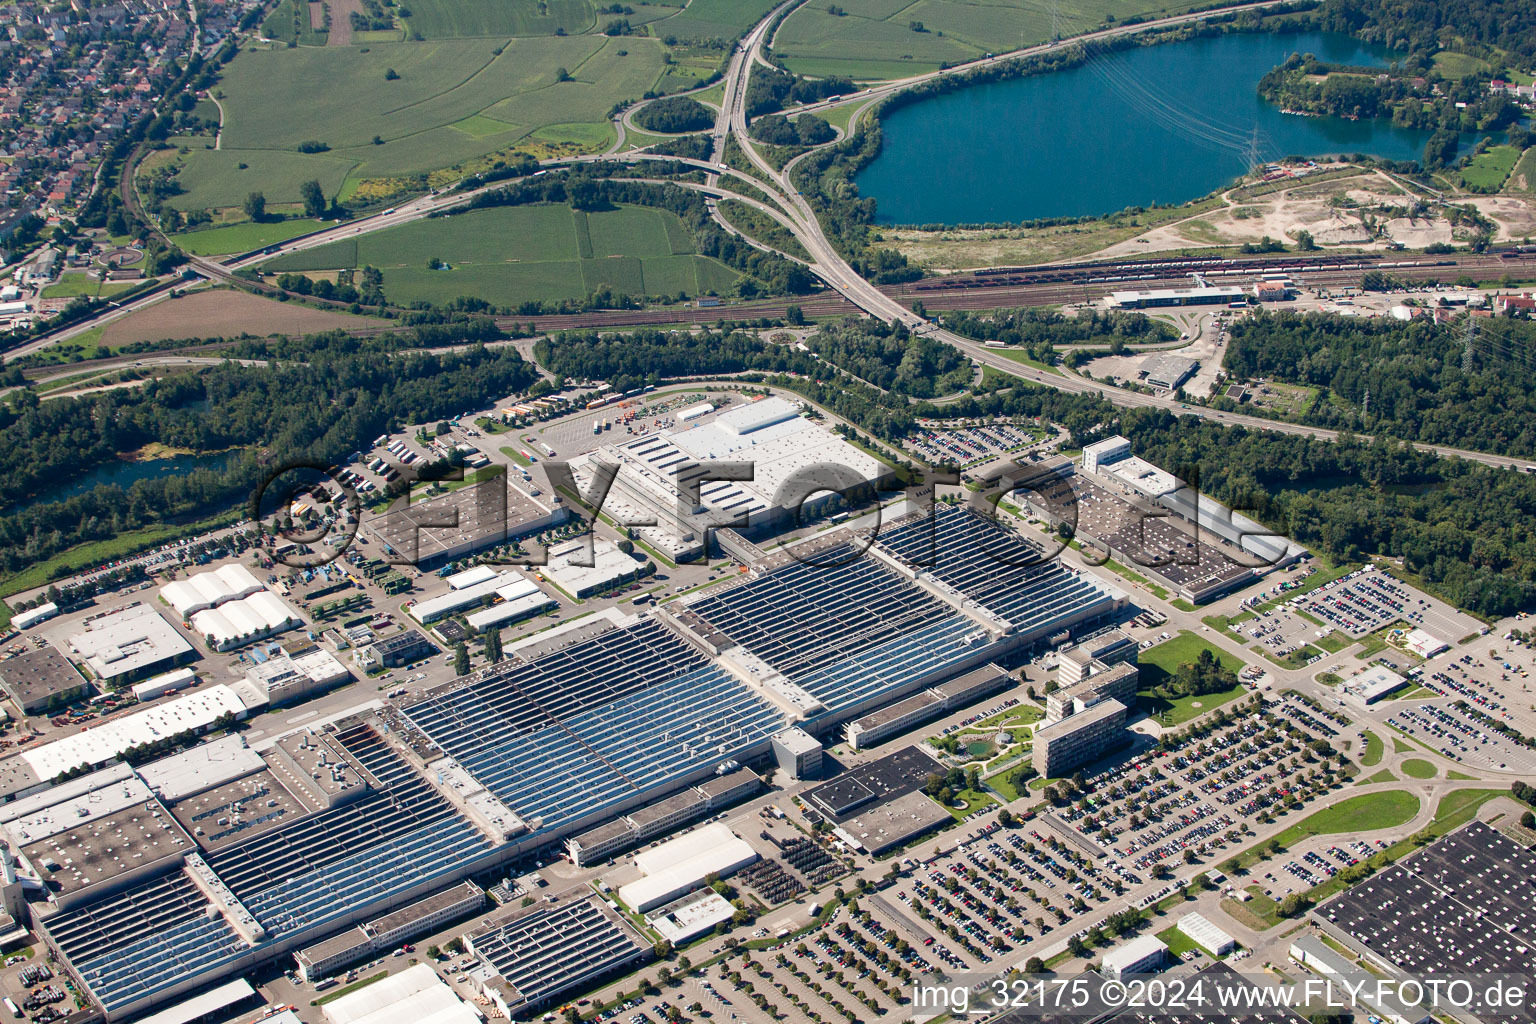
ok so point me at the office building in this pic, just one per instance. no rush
(1063, 746)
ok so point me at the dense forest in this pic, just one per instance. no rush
(1419, 385)
(805, 130)
(318, 411)
(1040, 331)
(771, 90)
(675, 114)
(1424, 26)
(893, 360)
(877, 353)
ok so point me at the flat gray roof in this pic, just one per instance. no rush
(38, 676)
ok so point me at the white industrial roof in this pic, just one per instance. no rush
(434, 608)
(210, 589)
(1132, 952)
(507, 611)
(128, 641)
(677, 866)
(1374, 682)
(1142, 475)
(469, 577)
(99, 745)
(610, 565)
(200, 1006)
(1425, 645)
(201, 767)
(76, 809)
(261, 614)
(416, 994)
(693, 412)
(1199, 927)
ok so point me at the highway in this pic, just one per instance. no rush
(791, 210)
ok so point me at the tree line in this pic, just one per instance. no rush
(1420, 384)
(316, 411)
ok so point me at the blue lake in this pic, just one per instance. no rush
(1155, 124)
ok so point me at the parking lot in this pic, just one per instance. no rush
(1197, 799)
(1371, 599)
(965, 446)
(1458, 733)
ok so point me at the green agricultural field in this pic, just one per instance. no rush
(244, 237)
(508, 255)
(289, 22)
(876, 38)
(454, 101)
(714, 19)
(445, 19)
(1489, 169)
(212, 179)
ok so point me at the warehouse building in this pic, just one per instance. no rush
(1466, 899)
(432, 533)
(204, 590)
(691, 916)
(122, 646)
(532, 956)
(905, 714)
(1313, 953)
(1199, 928)
(383, 933)
(1167, 371)
(193, 713)
(892, 823)
(25, 620)
(660, 476)
(41, 680)
(680, 865)
(302, 670)
(1374, 683)
(242, 621)
(720, 790)
(415, 994)
(610, 567)
(876, 782)
(1142, 955)
(1061, 747)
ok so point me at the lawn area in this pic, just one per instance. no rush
(506, 255)
(1018, 355)
(1402, 746)
(1456, 776)
(1382, 776)
(1178, 943)
(974, 799)
(245, 237)
(1365, 813)
(349, 989)
(1374, 749)
(1489, 169)
(877, 38)
(1415, 768)
(1454, 65)
(70, 285)
(1158, 665)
